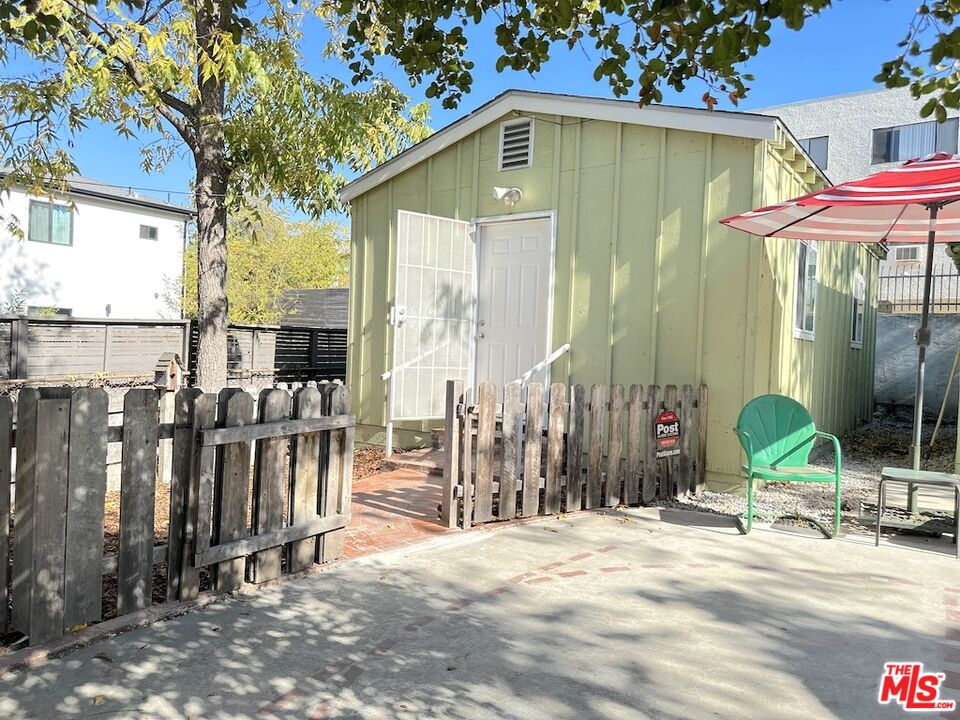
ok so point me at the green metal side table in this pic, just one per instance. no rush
(920, 478)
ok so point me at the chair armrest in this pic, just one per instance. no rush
(748, 450)
(836, 448)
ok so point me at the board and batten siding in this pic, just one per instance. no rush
(829, 376)
(648, 286)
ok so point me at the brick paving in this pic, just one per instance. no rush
(391, 510)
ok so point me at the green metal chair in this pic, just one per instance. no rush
(777, 434)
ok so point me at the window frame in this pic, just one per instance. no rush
(859, 311)
(154, 228)
(49, 205)
(805, 143)
(800, 332)
(503, 127)
(898, 250)
(936, 139)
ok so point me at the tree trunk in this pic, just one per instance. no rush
(213, 172)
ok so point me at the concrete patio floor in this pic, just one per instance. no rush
(635, 614)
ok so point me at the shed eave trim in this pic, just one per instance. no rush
(758, 127)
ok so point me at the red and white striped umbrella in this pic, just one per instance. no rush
(912, 203)
(892, 206)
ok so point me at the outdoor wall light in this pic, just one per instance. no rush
(510, 195)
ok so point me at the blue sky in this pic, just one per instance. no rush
(837, 52)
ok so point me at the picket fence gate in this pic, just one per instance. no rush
(257, 486)
(512, 452)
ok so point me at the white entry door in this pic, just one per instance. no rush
(513, 295)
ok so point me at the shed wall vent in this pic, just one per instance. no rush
(516, 144)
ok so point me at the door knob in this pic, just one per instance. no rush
(479, 336)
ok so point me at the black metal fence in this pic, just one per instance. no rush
(903, 292)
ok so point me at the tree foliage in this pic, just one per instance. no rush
(268, 253)
(139, 68)
(640, 45)
(221, 79)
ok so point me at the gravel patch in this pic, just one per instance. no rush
(866, 450)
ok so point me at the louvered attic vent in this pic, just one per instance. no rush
(516, 144)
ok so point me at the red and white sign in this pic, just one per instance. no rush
(666, 429)
(906, 684)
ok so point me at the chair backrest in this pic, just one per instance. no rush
(781, 430)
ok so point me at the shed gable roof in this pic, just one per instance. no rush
(718, 122)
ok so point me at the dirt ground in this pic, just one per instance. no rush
(885, 442)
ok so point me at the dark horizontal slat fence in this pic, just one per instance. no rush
(554, 451)
(304, 354)
(42, 348)
(300, 501)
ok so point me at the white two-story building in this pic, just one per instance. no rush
(857, 134)
(100, 251)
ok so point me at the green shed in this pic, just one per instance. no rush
(586, 230)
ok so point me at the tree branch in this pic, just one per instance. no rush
(171, 104)
(148, 17)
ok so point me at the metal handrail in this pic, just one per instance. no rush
(549, 360)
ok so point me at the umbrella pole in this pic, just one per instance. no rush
(923, 340)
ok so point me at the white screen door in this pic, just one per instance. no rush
(431, 315)
(513, 298)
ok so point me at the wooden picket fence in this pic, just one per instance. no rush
(257, 486)
(513, 452)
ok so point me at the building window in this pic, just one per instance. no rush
(905, 142)
(148, 232)
(806, 298)
(856, 326)
(816, 148)
(911, 253)
(50, 223)
(516, 144)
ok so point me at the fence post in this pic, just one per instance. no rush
(551, 491)
(467, 429)
(181, 465)
(202, 461)
(631, 486)
(451, 456)
(648, 491)
(701, 440)
(575, 450)
(235, 408)
(138, 481)
(598, 416)
(27, 401)
(486, 424)
(19, 348)
(668, 485)
(685, 482)
(339, 474)
(532, 448)
(510, 451)
(6, 437)
(268, 483)
(615, 447)
(305, 489)
(87, 487)
(50, 521)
